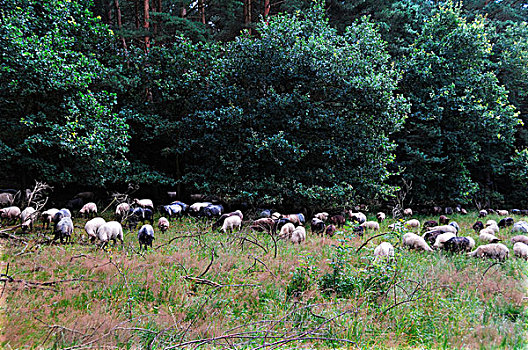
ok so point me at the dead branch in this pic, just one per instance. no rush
(210, 263)
(178, 237)
(260, 261)
(368, 240)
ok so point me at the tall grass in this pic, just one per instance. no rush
(210, 289)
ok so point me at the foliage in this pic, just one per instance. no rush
(460, 133)
(55, 125)
(294, 115)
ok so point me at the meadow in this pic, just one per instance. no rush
(198, 288)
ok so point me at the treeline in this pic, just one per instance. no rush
(269, 102)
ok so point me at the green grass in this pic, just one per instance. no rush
(168, 296)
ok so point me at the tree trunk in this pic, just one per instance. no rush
(120, 24)
(136, 9)
(247, 15)
(201, 10)
(146, 24)
(267, 7)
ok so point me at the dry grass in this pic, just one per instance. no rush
(170, 295)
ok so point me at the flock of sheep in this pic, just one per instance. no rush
(426, 236)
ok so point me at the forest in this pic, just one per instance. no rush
(318, 103)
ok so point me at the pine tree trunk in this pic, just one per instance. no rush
(146, 23)
(267, 7)
(120, 24)
(247, 15)
(201, 10)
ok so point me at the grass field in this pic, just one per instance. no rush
(204, 289)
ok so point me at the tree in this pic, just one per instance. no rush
(56, 125)
(298, 115)
(459, 136)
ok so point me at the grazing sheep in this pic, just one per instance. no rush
(502, 212)
(145, 236)
(504, 222)
(384, 249)
(520, 226)
(330, 230)
(430, 236)
(91, 227)
(444, 228)
(144, 203)
(407, 212)
(455, 225)
(441, 239)
(27, 217)
(483, 213)
(63, 213)
(429, 224)
(263, 224)
(437, 210)
(493, 251)
(459, 244)
(413, 241)
(163, 224)
(184, 206)
(74, 204)
(520, 238)
(443, 220)
(172, 210)
(515, 212)
(232, 222)
(488, 236)
(196, 209)
(372, 225)
(492, 226)
(449, 211)
(298, 235)
(121, 211)
(111, 230)
(520, 250)
(265, 213)
(279, 223)
(411, 224)
(322, 216)
(296, 219)
(47, 217)
(318, 226)
(137, 215)
(358, 217)
(64, 229)
(477, 226)
(286, 231)
(380, 217)
(276, 216)
(338, 220)
(88, 210)
(213, 210)
(6, 199)
(10, 214)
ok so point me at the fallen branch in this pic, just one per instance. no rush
(370, 239)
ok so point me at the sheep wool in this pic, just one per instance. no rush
(231, 223)
(298, 235)
(286, 231)
(371, 225)
(91, 227)
(488, 236)
(520, 250)
(441, 239)
(413, 223)
(384, 249)
(493, 251)
(413, 241)
(520, 238)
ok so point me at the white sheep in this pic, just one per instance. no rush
(88, 210)
(298, 235)
(413, 223)
(10, 213)
(47, 217)
(492, 225)
(443, 228)
(488, 236)
(144, 203)
(384, 249)
(111, 230)
(371, 225)
(502, 212)
(407, 212)
(412, 240)
(286, 231)
(64, 229)
(441, 239)
(380, 216)
(359, 217)
(91, 227)
(322, 216)
(26, 217)
(494, 251)
(520, 238)
(163, 224)
(232, 222)
(195, 208)
(520, 250)
(483, 213)
(122, 210)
